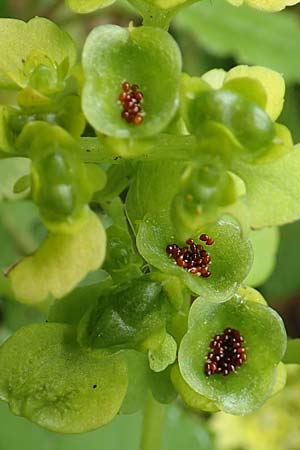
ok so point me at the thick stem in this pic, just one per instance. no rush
(152, 425)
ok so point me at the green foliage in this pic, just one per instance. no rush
(46, 274)
(156, 232)
(106, 197)
(252, 37)
(11, 171)
(29, 50)
(134, 317)
(57, 385)
(265, 338)
(135, 51)
(86, 6)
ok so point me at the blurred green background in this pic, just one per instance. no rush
(211, 34)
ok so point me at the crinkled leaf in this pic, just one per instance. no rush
(20, 39)
(132, 317)
(112, 55)
(231, 255)
(265, 338)
(47, 378)
(61, 262)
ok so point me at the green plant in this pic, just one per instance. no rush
(154, 188)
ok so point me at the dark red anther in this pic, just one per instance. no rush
(169, 249)
(123, 97)
(224, 354)
(210, 241)
(131, 98)
(126, 115)
(203, 237)
(138, 96)
(206, 260)
(138, 120)
(126, 86)
(207, 274)
(189, 241)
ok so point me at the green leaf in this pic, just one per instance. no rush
(268, 5)
(86, 6)
(138, 381)
(11, 170)
(152, 189)
(47, 378)
(292, 354)
(164, 355)
(231, 255)
(161, 386)
(120, 253)
(265, 337)
(61, 262)
(20, 39)
(191, 398)
(272, 198)
(61, 184)
(21, 231)
(284, 281)
(265, 244)
(248, 123)
(250, 36)
(73, 306)
(132, 317)
(112, 55)
(272, 83)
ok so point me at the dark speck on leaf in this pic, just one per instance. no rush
(88, 150)
(94, 387)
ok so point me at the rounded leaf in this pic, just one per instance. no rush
(61, 262)
(265, 341)
(47, 378)
(231, 255)
(145, 56)
(272, 83)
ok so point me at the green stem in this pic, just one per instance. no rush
(152, 15)
(152, 425)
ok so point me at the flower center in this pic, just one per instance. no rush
(194, 258)
(226, 354)
(131, 98)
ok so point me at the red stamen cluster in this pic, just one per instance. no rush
(131, 98)
(194, 258)
(227, 353)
